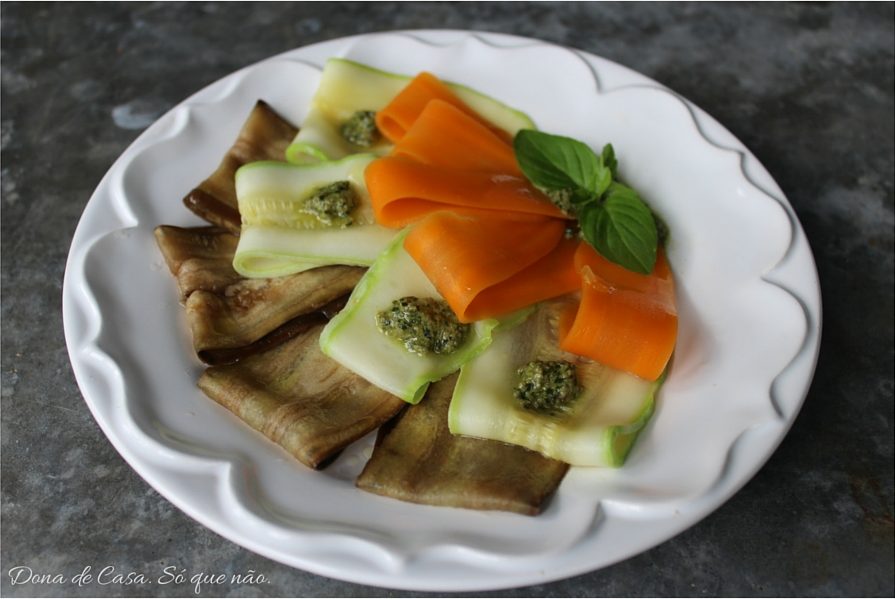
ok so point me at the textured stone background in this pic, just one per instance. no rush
(808, 87)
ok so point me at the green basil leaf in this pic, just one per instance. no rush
(611, 216)
(624, 230)
(587, 221)
(580, 196)
(609, 160)
(603, 182)
(556, 162)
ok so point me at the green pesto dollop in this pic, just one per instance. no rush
(332, 204)
(423, 325)
(360, 129)
(547, 387)
(562, 199)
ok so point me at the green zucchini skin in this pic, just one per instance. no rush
(279, 238)
(276, 251)
(347, 87)
(600, 428)
(353, 339)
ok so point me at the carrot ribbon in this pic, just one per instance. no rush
(402, 112)
(625, 320)
(491, 243)
(487, 266)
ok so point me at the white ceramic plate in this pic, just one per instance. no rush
(749, 310)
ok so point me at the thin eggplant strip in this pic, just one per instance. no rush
(250, 309)
(264, 136)
(420, 461)
(200, 258)
(293, 328)
(213, 210)
(226, 313)
(301, 399)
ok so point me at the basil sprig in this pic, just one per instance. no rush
(612, 216)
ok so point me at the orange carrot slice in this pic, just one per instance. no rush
(463, 255)
(444, 135)
(403, 191)
(395, 119)
(659, 282)
(551, 276)
(625, 320)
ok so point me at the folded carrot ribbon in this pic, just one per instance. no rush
(491, 243)
(403, 111)
(625, 320)
(488, 266)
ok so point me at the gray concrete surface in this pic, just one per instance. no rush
(808, 87)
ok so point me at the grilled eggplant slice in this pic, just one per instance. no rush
(231, 317)
(200, 258)
(301, 399)
(248, 310)
(280, 335)
(264, 136)
(417, 459)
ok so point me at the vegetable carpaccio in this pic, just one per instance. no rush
(441, 219)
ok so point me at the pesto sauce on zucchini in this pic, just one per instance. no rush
(547, 387)
(360, 129)
(332, 204)
(423, 325)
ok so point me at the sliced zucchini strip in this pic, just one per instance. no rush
(599, 428)
(347, 87)
(353, 339)
(277, 251)
(281, 236)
